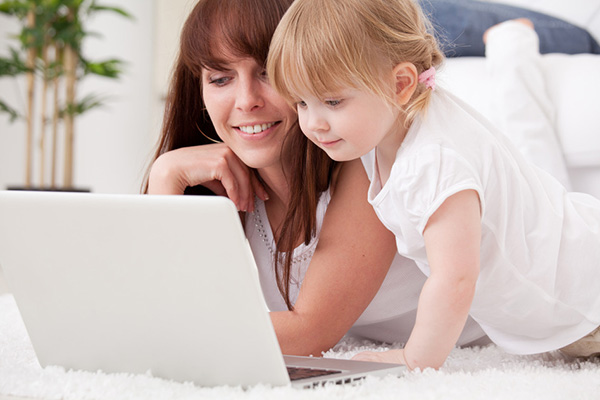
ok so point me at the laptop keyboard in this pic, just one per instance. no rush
(297, 373)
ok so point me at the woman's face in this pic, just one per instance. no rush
(248, 114)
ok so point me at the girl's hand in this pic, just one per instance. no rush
(213, 166)
(395, 356)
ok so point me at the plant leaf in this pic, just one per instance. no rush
(12, 66)
(109, 68)
(13, 114)
(87, 103)
(15, 7)
(117, 10)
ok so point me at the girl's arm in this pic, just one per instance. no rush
(452, 239)
(214, 166)
(350, 263)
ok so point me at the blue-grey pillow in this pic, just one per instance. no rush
(460, 24)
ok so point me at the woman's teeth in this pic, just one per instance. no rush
(252, 129)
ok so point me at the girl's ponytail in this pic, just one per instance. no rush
(422, 96)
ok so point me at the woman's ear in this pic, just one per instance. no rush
(406, 79)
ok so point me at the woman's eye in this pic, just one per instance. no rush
(218, 81)
(333, 103)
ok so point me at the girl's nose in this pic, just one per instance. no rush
(249, 95)
(316, 122)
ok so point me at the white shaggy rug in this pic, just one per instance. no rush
(477, 373)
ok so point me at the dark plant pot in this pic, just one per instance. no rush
(48, 189)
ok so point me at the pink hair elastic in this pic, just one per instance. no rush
(428, 78)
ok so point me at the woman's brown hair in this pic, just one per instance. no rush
(244, 28)
(312, 174)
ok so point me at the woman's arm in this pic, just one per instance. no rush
(350, 263)
(214, 166)
(352, 257)
(453, 240)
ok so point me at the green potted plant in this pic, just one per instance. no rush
(49, 55)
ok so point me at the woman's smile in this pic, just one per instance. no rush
(256, 131)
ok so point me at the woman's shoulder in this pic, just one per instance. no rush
(349, 173)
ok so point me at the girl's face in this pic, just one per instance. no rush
(248, 114)
(348, 124)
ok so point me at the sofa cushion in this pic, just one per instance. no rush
(583, 13)
(460, 25)
(572, 85)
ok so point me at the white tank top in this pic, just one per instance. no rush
(390, 316)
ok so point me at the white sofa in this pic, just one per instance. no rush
(568, 90)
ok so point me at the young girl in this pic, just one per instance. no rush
(499, 239)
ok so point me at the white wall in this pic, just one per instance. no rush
(171, 15)
(112, 143)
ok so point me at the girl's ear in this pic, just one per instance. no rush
(406, 79)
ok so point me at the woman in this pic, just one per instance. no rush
(338, 275)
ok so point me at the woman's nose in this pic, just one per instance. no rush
(249, 95)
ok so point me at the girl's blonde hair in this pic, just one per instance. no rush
(321, 46)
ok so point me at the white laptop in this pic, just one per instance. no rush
(138, 283)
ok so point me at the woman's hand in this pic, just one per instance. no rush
(213, 166)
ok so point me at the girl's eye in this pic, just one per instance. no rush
(333, 103)
(301, 104)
